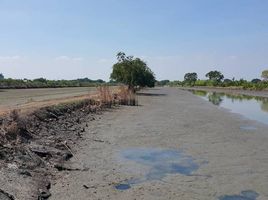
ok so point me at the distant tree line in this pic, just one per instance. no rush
(216, 79)
(44, 83)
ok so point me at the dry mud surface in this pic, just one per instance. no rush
(173, 146)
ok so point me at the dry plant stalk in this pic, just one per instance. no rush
(122, 96)
(126, 96)
(105, 96)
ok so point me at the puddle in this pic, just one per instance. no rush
(244, 195)
(122, 186)
(155, 164)
(248, 128)
(252, 107)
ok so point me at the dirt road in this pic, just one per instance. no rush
(173, 146)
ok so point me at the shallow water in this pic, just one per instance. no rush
(255, 108)
(155, 164)
(248, 128)
(122, 186)
(244, 195)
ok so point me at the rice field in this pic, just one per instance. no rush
(19, 98)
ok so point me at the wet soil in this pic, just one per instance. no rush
(204, 151)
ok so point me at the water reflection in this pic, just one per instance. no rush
(252, 107)
(215, 98)
(244, 195)
(158, 162)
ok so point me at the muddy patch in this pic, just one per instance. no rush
(248, 128)
(122, 186)
(244, 195)
(155, 164)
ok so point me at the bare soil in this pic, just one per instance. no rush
(33, 98)
(78, 155)
(231, 160)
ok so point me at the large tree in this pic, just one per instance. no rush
(190, 78)
(132, 72)
(1, 76)
(215, 76)
(264, 74)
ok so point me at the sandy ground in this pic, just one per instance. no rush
(28, 98)
(230, 159)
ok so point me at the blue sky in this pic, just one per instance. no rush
(66, 39)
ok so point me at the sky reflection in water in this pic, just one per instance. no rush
(255, 108)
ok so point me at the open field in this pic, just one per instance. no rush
(28, 98)
(204, 153)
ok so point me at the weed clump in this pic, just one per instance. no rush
(120, 96)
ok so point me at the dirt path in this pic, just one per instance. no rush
(204, 154)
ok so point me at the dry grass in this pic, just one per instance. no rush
(105, 96)
(119, 96)
(126, 96)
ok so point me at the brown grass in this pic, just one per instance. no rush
(119, 96)
(126, 96)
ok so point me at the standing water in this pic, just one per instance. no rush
(252, 107)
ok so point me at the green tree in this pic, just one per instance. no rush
(264, 74)
(1, 76)
(255, 80)
(190, 78)
(215, 76)
(163, 82)
(132, 72)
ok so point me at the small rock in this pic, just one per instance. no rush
(85, 186)
(12, 166)
(43, 194)
(24, 172)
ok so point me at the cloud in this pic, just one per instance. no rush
(232, 57)
(10, 58)
(106, 60)
(69, 59)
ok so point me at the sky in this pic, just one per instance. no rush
(69, 39)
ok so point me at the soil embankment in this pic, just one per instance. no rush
(35, 144)
(34, 147)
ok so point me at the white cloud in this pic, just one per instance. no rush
(232, 57)
(10, 58)
(78, 59)
(69, 59)
(106, 60)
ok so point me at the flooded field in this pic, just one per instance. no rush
(251, 107)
